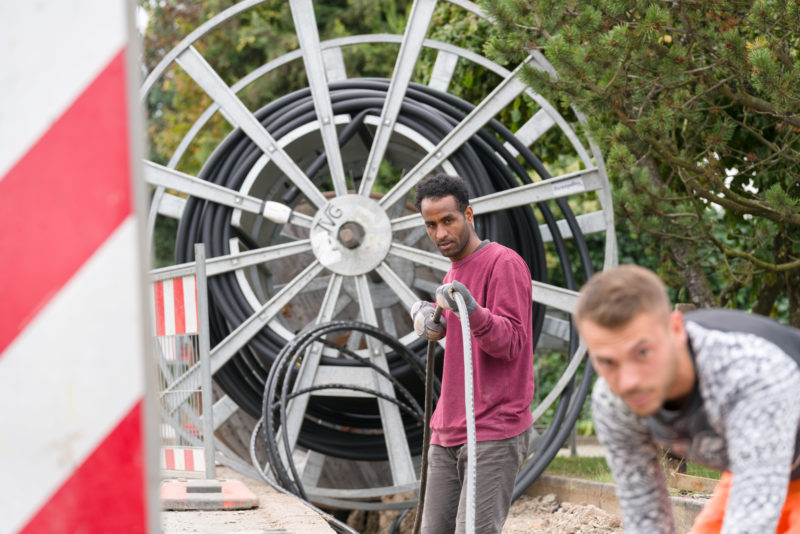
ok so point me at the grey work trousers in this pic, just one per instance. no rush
(446, 494)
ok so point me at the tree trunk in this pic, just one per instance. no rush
(793, 290)
(693, 276)
(771, 287)
(784, 248)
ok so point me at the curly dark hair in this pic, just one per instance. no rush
(441, 185)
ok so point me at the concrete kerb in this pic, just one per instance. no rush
(603, 496)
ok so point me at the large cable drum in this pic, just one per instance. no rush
(306, 211)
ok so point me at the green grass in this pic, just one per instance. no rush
(702, 471)
(596, 469)
(584, 467)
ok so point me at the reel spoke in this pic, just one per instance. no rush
(306, 28)
(199, 69)
(507, 91)
(416, 28)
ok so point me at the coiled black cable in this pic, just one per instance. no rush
(483, 162)
(284, 372)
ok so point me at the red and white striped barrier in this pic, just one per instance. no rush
(176, 306)
(191, 459)
(72, 333)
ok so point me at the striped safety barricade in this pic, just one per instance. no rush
(175, 306)
(73, 335)
(181, 345)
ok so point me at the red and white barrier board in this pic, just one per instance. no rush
(72, 340)
(176, 306)
(191, 459)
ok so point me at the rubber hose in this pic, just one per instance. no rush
(469, 401)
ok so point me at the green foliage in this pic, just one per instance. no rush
(695, 106)
(164, 241)
(547, 369)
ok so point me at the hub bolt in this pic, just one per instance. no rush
(351, 234)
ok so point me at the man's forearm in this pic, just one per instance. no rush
(496, 335)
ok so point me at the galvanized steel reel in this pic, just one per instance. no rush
(302, 226)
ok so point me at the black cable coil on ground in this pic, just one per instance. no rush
(483, 162)
(278, 387)
(278, 392)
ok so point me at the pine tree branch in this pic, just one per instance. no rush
(731, 201)
(782, 57)
(678, 215)
(707, 91)
(616, 74)
(772, 267)
(730, 252)
(538, 21)
(775, 149)
(760, 105)
(738, 204)
(683, 254)
(687, 25)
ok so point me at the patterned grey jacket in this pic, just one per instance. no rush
(743, 416)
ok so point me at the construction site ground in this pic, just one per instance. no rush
(280, 513)
(553, 505)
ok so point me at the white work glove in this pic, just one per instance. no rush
(424, 325)
(445, 297)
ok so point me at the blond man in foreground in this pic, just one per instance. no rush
(717, 387)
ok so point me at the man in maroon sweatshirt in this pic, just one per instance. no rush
(495, 283)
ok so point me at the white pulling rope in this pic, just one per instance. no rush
(469, 404)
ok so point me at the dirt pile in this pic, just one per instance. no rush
(545, 515)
